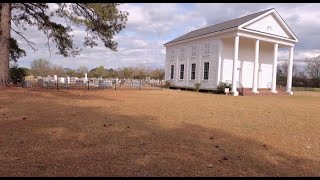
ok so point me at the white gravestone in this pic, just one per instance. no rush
(62, 80)
(85, 77)
(55, 77)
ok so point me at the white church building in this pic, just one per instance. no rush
(242, 51)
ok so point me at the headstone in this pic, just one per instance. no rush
(85, 78)
(108, 83)
(148, 79)
(62, 80)
(101, 83)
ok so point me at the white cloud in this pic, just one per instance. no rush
(150, 25)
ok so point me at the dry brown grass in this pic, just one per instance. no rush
(157, 133)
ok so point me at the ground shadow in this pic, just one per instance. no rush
(91, 142)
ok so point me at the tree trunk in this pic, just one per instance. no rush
(5, 43)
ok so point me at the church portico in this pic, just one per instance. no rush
(255, 61)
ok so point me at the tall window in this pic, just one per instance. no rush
(181, 71)
(207, 48)
(206, 70)
(172, 71)
(182, 53)
(193, 71)
(172, 55)
(194, 51)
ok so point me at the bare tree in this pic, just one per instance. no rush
(43, 67)
(126, 72)
(158, 74)
(283, 69)
(83, 69)
(313, 69)
(40, 67)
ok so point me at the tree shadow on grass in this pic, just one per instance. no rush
(99, 143)
(81, 94)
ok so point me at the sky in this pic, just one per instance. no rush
(150, 25)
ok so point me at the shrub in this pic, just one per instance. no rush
(222, 86)
(167, 84)
(197, 87)
(17, 74)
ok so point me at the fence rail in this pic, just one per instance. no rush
(300, 88)
(305, 89)
(93, 84)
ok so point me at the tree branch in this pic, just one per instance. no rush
(48, 43)
(29, 42)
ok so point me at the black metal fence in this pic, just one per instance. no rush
(305, 89)
(300, 88)
(93, 84)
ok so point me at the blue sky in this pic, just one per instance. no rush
(151, 25)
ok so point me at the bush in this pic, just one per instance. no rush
(167, 84)
(222, 86)
(197, 87)
(17, 74)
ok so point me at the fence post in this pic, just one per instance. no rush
(88, 83)
(115, 85)
(57, 83)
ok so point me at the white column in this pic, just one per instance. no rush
(234, 91)
(274, 69)
(289, 78)
(259, 75)
(219, 62)
(176, 69)
(187, 70)
(255, 68)
(241, 71)
(166, 68)
(199, 67)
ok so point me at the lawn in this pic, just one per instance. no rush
(157, 133)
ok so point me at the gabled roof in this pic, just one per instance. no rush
(219, 27)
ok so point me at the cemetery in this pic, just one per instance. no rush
(56, 82)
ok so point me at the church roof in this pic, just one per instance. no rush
(219, 27)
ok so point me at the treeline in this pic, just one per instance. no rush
(309, 76)
(127, 72)
(42, 67)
